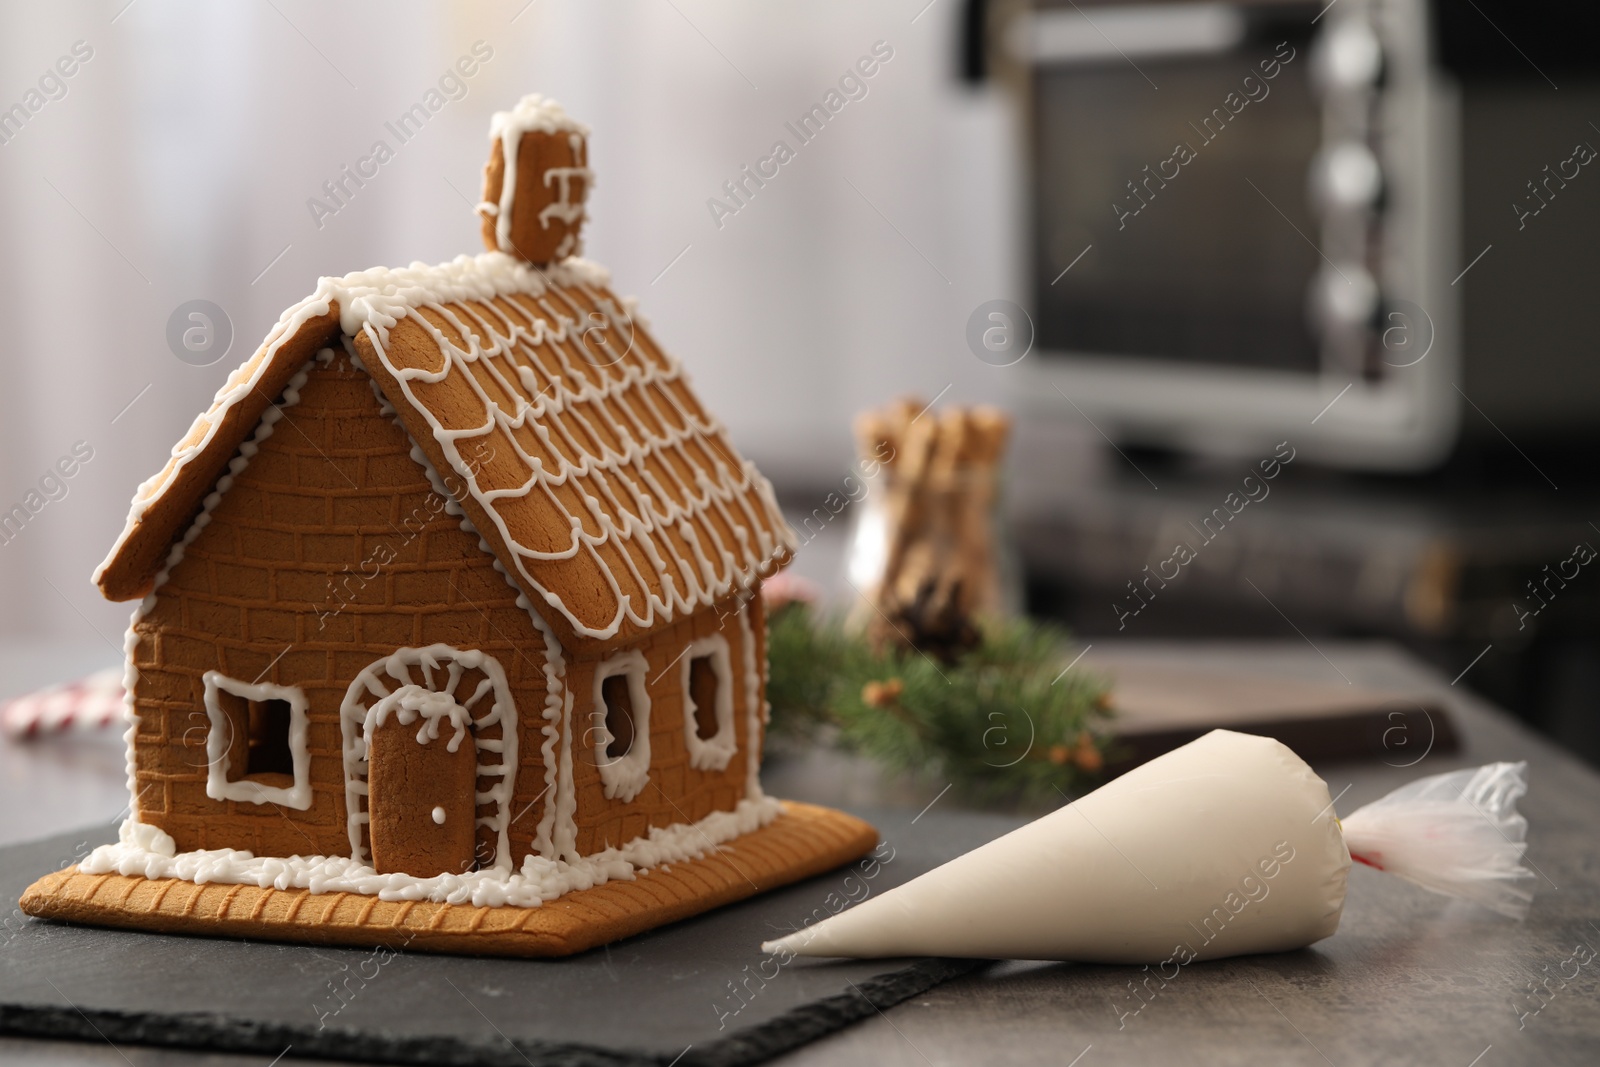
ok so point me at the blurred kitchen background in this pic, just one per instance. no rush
(1178, 240)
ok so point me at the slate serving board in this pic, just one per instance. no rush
(692, 993)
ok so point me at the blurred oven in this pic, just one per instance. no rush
(1250, 221)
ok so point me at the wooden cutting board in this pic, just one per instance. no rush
(1160, 707)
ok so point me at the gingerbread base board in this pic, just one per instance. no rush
(805, 840)
(643, 1000)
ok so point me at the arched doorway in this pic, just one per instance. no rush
(430, 757)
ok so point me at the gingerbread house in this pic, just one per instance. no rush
(448, 609)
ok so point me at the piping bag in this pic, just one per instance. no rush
(1227, 846)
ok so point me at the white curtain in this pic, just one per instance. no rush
(177, 161)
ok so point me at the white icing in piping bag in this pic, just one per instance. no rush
(1226, 846)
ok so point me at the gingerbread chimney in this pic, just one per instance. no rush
(535, 182)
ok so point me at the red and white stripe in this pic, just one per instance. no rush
(92, 703)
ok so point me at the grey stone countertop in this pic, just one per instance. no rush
(1409, 977)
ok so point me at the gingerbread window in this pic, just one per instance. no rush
(620, 724)
(708, 703)
(256, 742)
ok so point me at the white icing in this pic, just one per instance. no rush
(141, 853)
(563, 207)
(566, 840)
(130, 687)
(755, 676)
(376, 299)
(438, 815)
(143, 836)
(557, 834)
(623, 777)
(410, 703)
(247, 451)
(220, 732)
(714, 752)
(416, 684)
(537, 113)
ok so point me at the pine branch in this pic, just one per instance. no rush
(1001, 723)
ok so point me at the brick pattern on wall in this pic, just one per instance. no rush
(329, 552)
(676, 792)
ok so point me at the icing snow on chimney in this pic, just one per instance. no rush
(535, 182)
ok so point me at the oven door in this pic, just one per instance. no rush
(1230, 224)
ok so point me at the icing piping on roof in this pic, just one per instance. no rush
(646, 506)
(382, 294)
(374, 301)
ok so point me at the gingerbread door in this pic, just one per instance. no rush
(430, 761)
(421, 797)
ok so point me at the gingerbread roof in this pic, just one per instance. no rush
(577, 448)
